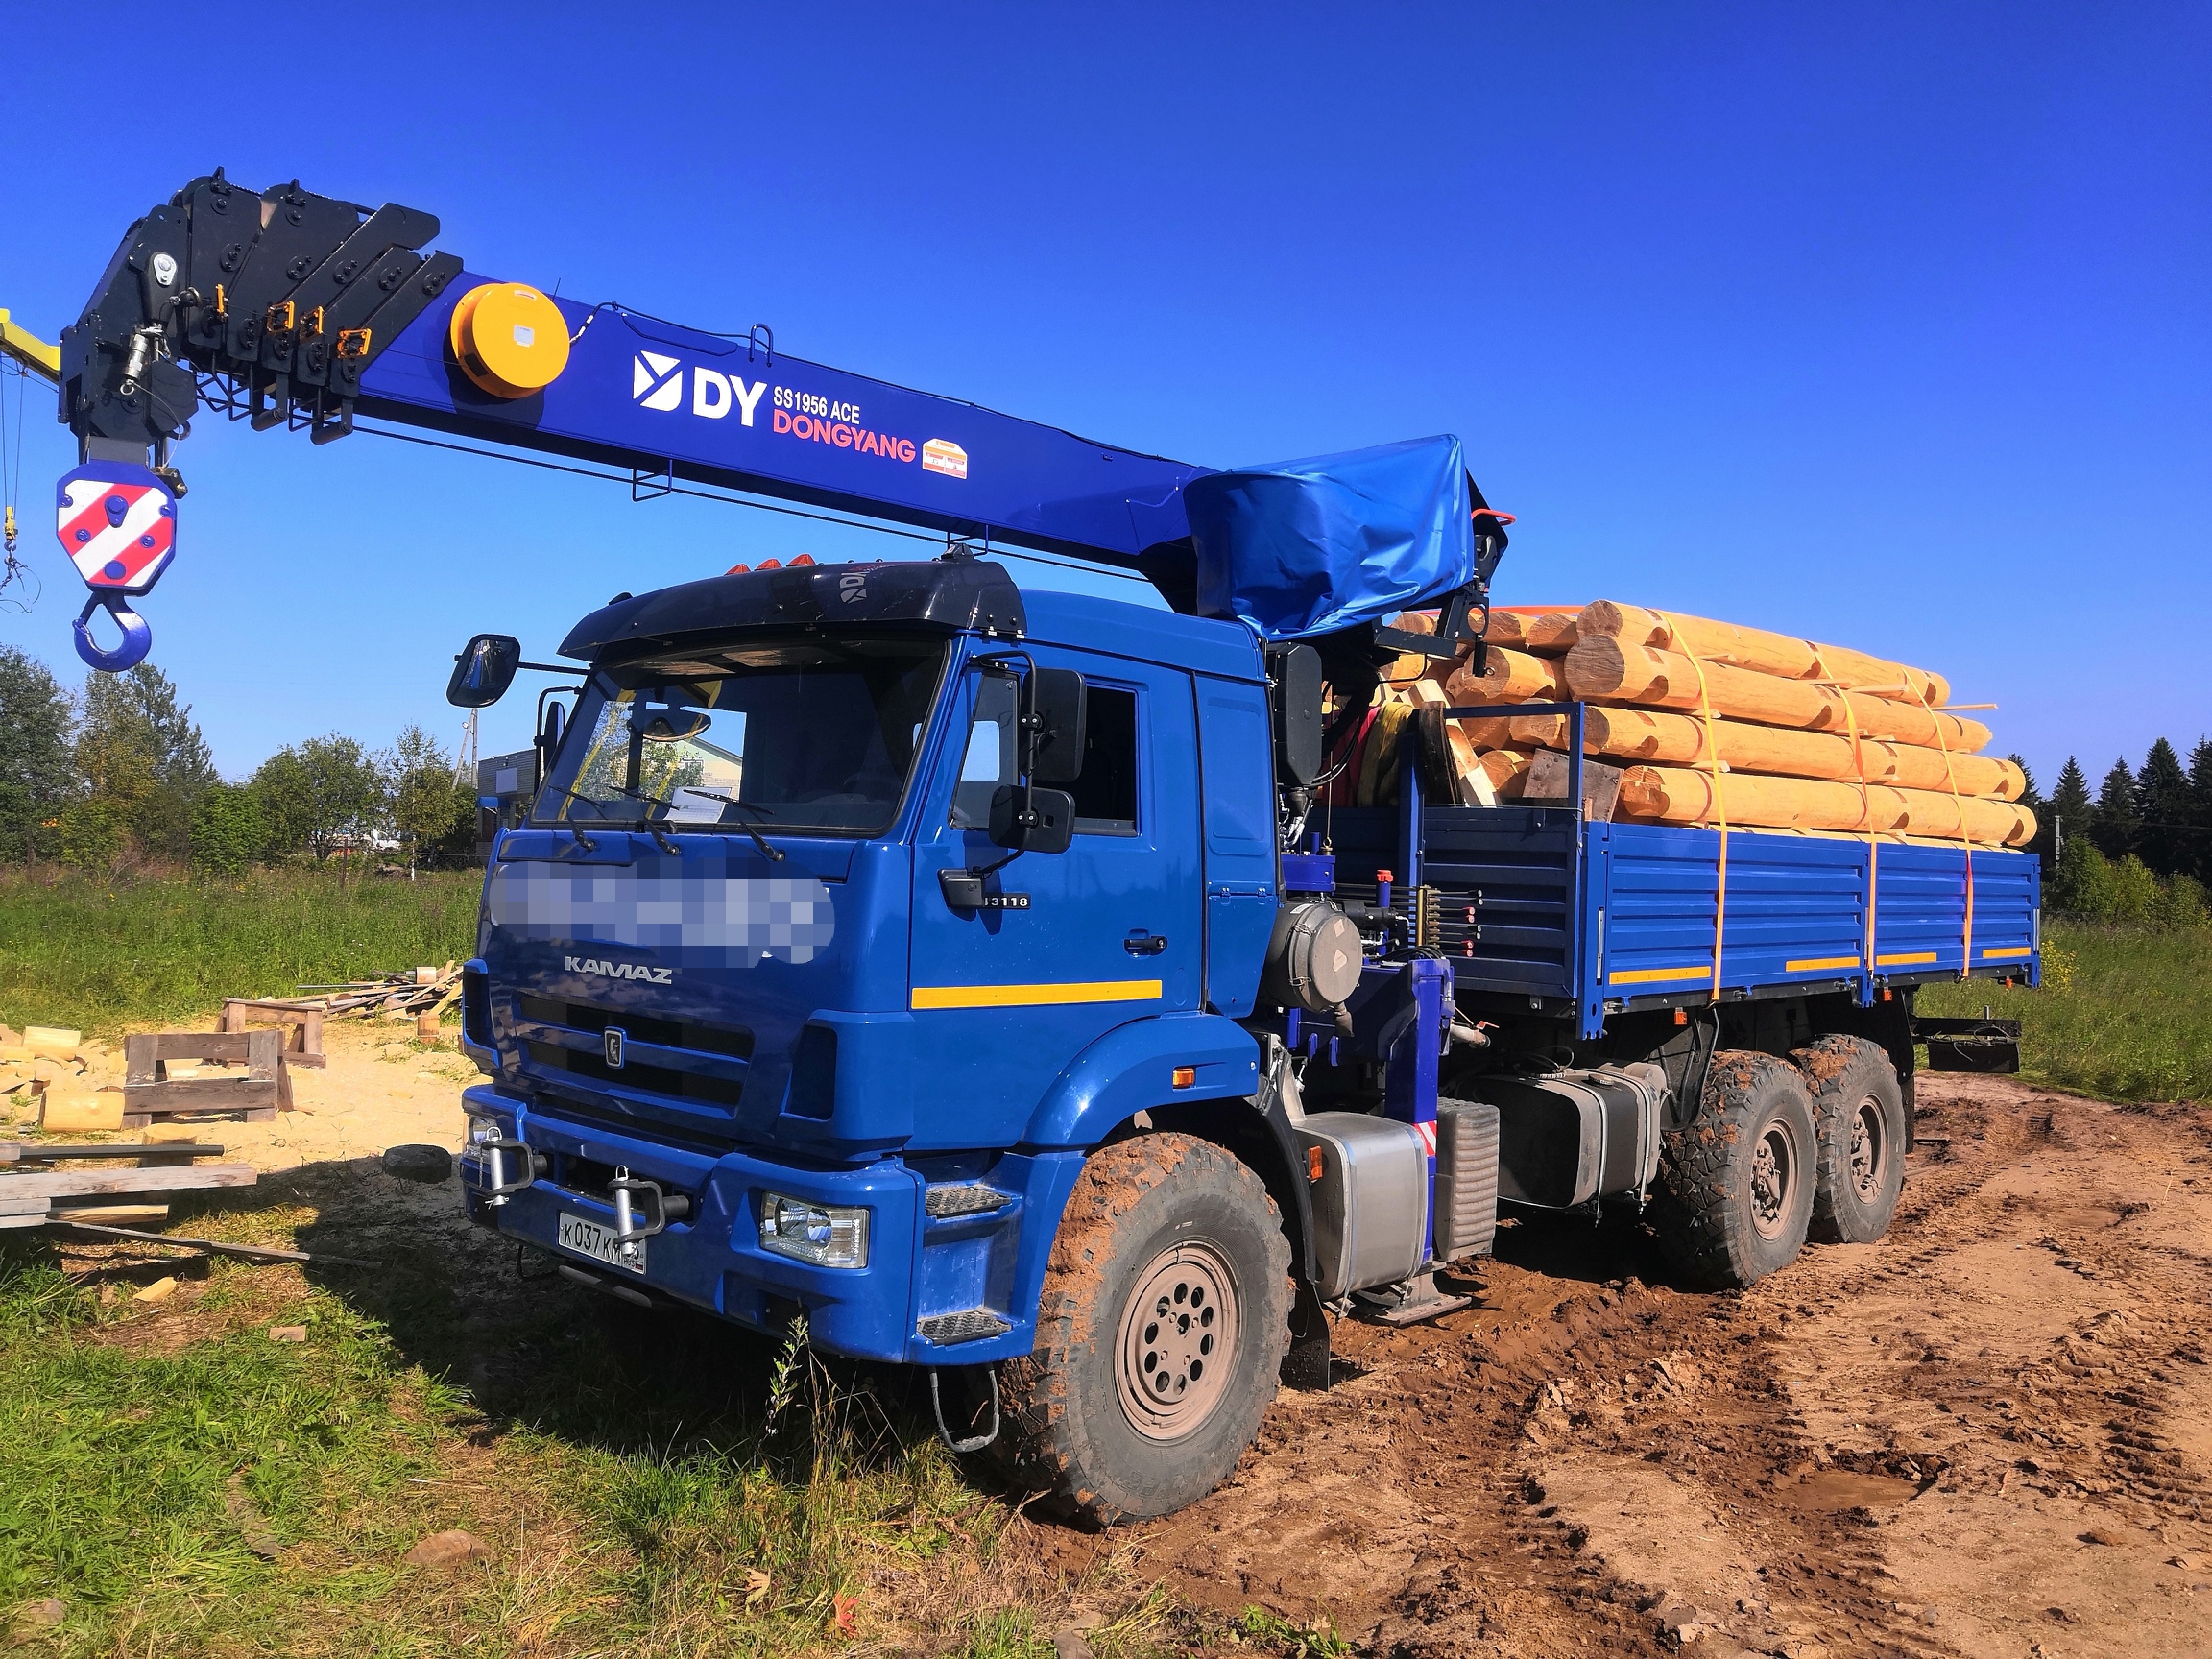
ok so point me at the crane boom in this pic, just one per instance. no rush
(298, 308)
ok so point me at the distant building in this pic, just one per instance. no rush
(506, 785)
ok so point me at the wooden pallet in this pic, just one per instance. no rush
(302, 1023)
(149, 1093)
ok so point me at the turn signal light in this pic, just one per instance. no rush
(1185, 1076)
(1314, 1166)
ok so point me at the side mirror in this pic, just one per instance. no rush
(1050, 824)
(483, 670)
(1056, 706)
(1296, 673)
(552, 724)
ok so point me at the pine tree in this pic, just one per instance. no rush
(2200, 809)
(2114, 828)
(2045, 844)
(2072, 812)
(2162, 812)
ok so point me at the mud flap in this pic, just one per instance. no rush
(1306, 1366)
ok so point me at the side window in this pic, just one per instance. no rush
(989, 758)
(1106, 793)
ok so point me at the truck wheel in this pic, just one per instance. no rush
(1162, 1324)
(1737, 1180)
(1859, 1112)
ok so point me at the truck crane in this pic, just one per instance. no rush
(984, 974)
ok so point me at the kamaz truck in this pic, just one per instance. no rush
(989, 976)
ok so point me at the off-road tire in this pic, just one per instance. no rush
(1859, 1115)
(1737, 1181)
(1164, 1212)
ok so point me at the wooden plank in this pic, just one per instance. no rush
(220, 1247)
(108, 1212)
(235, 1114)
(200, 1095)
(25, 1151)
(50, 1184)
(28, 1204)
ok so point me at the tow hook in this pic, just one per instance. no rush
(497, 1188)
(974, 1443)
(633, 1221)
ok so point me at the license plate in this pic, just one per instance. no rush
(589, 1237)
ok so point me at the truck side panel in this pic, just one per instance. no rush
(1521, 915)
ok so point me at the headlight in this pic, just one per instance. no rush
(483, 1129)
(826, 1234)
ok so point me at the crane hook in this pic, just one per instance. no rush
(138, 639)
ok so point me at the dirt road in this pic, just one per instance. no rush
(1990, 1433)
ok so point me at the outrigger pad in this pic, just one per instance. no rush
(1970, 1044)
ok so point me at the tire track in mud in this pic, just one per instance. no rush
(1591, 1459)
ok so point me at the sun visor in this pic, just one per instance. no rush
(1305, 548)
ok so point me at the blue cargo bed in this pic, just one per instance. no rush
(1578, 919)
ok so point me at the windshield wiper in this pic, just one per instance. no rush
(584, 842)
(771, 854)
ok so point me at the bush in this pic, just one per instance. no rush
(2123, 892)
(228, 831)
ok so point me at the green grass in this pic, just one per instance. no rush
(2125, 1013)
(80, 951)
(637, 1494)
(134, 1483)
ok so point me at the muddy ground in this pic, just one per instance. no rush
(1990, 1433)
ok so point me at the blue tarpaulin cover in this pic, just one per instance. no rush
(1304, 547)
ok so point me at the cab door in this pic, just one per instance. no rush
(1077, 943)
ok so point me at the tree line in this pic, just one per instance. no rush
(2137, 851)
(119, 775)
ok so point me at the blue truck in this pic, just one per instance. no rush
(979, 971)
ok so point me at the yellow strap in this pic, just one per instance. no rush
(1965, 831)
(1865, 801)
(1719, 796)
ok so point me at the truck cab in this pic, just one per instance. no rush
(735, 958)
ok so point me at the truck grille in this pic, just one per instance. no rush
(695, 1061)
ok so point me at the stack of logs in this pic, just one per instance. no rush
(1807, 737)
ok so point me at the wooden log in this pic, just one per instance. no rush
(1507, 628)
(1489, 732)
(1508, 772)
(1552, 634)
(1506, 677)
(79, 1111)
(1603, 669)
(1475, 786)
(1668, 739)
(1678, 794)
(1759, 650)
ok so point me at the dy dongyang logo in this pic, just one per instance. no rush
(657, 382)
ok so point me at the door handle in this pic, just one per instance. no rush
(1143, 943)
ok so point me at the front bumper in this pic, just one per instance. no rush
(918, 1265)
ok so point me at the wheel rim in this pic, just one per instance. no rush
(1869, 1150)
(1775, 1171)
(1178, 1341)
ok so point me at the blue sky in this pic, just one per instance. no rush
(1883, 325)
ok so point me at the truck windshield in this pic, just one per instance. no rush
(786, 734)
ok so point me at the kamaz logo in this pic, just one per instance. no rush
(618, 970)
(657, 382)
